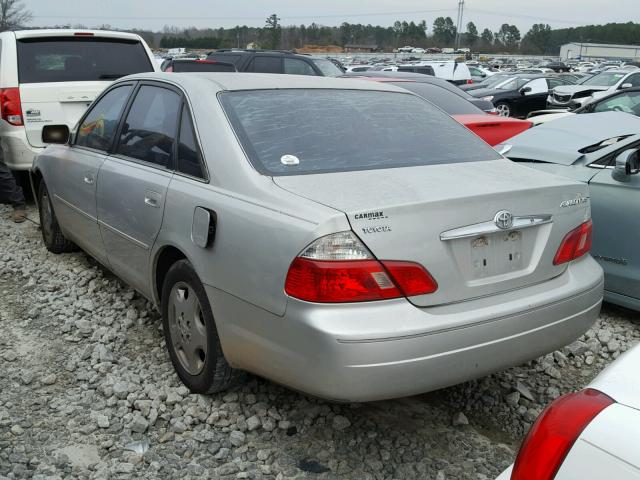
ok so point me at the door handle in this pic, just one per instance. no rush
(152, 199)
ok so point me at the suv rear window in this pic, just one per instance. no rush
(71, 59)
(293, 132)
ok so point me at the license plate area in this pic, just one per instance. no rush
(496, 254)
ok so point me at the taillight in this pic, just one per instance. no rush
(555, 431)
(338, 268)
(575, 244)
(10, 106)
(469, 82)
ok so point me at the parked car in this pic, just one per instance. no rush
(557, 67)
(627, 100)
(357, 68)
(600, 150)
(593, 433)
(276, 61)
(521, 95)
(479, 74)
(576, 96)
(483, 105)
(292, 205)
(488, 82)
(406, 68)
(52, 76)
(197, 65)
(491, 128)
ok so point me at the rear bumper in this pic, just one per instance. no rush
(18, 154)
(390, 349)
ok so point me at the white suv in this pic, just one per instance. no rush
(51, 77)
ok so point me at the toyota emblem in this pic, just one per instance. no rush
(503, 219)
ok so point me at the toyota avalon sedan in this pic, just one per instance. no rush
(347, 239)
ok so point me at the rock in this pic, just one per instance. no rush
(513, 399)
(253, 423)
(139, 424)
(460, 419)
(237, 438)
(553, 372)
(17, 430)
(340, 423)
(102, 421)
(524, 391)
(49, 379)
(121, 390)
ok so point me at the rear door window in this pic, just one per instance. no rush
(297, 131)
(264, 64)
(99, 125)
(151, 126)
(60, 59)
(293, 66)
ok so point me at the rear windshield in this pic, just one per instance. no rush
(450, 102)
(225, 57)
(294, 132)
(327, 67)
(185, 66)
(79, 59)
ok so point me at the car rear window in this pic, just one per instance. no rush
(201, 66)
(327, 67)
(450, 102)
(71, 59)
(305, 131)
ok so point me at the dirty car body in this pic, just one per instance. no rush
(341, 250)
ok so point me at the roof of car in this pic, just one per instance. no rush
(230, 81)
(560, 141)
(72, 32)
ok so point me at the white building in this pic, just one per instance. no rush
(588, 51)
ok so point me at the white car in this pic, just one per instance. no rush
(52, 76)
(591, 434)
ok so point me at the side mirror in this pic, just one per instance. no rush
(626, 85)
(55, 134)
(525, 90)
(627, 164)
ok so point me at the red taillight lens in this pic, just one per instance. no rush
(469, 82)
(575, 244)
(411, 278)
(327, 281)
(10, 106)
(554, 433)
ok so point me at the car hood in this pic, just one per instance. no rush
(620, 379)
(560, 141)
(573, 89)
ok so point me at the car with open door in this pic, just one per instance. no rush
(522, 94)
(600, 150)
(347, 239)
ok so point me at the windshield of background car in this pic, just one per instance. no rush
(512, 83)
(305, 131)
(61, 59)
(327, 67)
(628, 102)
(605, 79)
(448, 101)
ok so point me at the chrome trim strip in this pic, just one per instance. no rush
(485, 228)
(124, 235)
(74, 208)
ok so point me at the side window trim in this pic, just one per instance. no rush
(171, 167)
(93, 105)
(196, 136)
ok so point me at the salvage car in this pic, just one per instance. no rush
(593, 433)
(522, 94)
(308, 230)
(600, 150)
(576, 96)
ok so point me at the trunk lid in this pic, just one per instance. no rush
(55, 103)
(442, 216)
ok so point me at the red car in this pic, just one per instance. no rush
(493, 129)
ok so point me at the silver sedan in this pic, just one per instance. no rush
(347, 239)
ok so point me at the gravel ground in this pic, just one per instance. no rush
(87, 391)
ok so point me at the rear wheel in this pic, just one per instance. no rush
(191, 334)
(504, 109)
(52, 236)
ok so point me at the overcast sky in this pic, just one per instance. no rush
(154, 14)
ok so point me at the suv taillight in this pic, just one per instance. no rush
(338, 268)
(575, 244)
(10, 106)
(555, 431)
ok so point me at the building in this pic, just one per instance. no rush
(361, 48)
(592, 51)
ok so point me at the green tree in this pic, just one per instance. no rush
(444, 31)
(471, 37)
(508, 36)
(537, 39)
(13, 14)
(274, 30)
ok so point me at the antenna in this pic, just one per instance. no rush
(459, 23)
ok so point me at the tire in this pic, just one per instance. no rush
(190, 333)
(504, 109)
(52, 236)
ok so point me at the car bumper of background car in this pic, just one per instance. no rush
(18, 154)
(570, 105)
(389, 349)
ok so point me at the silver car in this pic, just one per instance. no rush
(347, 239)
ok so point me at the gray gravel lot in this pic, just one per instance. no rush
(87, 391)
